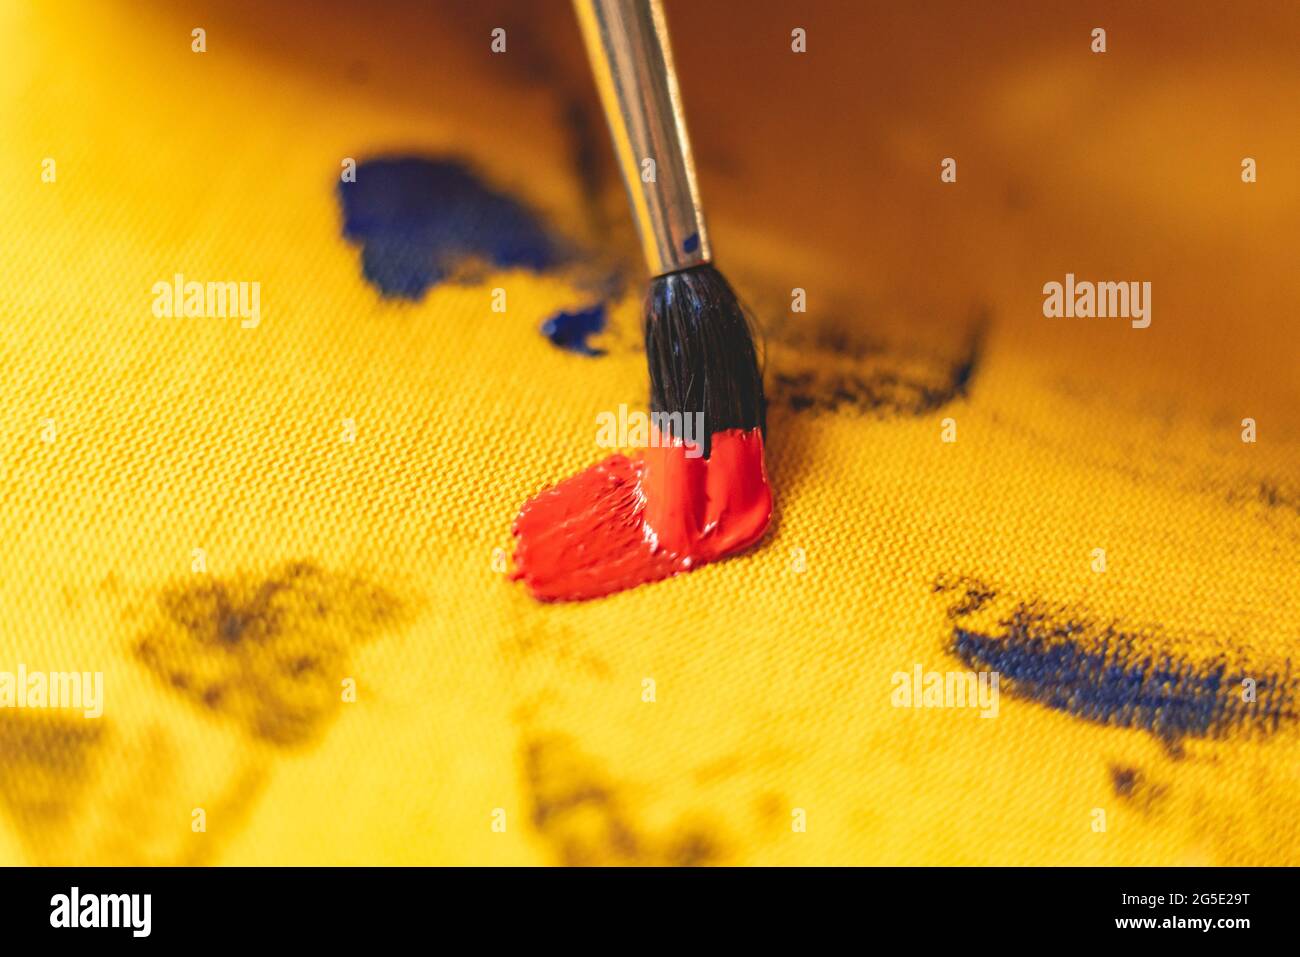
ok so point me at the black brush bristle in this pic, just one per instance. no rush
(700, 350)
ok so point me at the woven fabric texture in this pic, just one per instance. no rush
(236, 525)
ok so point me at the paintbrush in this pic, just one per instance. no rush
(699, 347)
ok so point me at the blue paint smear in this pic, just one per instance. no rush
(691, 243)
(416, 218)
(1106, 677)
(569, 330)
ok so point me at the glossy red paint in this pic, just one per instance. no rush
(628, 521)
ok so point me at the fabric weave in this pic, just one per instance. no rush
(346, 469)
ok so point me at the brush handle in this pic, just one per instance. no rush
(627, 42)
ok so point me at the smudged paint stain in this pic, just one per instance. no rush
(268, 652)
(1112, 675)
(571, 330)
(137, 826)
(587, 821)
(73, 788)
(1123, 780)
(1270, 495)
(1133, 787)
(46, 764)
(552, 647)
(417, 218)
(834, 377)
(974, 595)
(630, 521)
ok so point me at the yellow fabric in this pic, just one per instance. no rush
(372, 560)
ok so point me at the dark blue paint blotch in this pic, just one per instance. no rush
(691, 243)
(570, 330)
(1112, 677)
(416, 218)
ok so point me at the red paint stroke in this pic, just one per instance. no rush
(629, 521)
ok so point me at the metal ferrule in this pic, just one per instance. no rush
(627, 42)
